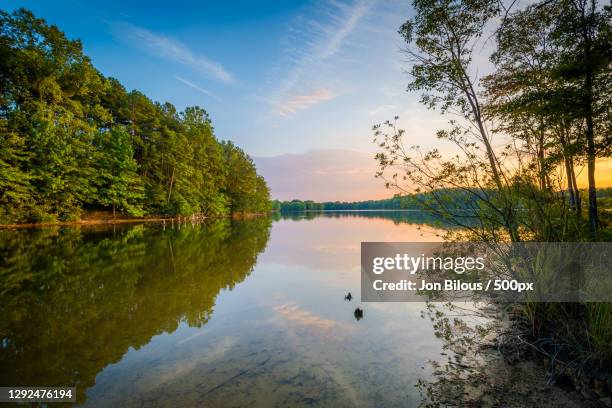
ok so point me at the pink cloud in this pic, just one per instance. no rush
(299, 102)
(323, 175)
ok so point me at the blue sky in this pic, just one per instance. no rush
(278, 78)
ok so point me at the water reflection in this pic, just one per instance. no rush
(126, 315)
(74, 300)
(414, 217)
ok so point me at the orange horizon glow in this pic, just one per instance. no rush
(603, 174)
(348, 176)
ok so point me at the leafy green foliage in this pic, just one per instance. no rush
(246, 190)
(118, 183)
(73, 140)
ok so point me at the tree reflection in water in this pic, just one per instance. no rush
(73, 300)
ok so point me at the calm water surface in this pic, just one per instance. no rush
(231, 314)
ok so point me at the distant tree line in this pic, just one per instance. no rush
(459, 199)
(296, 206)
(420, 201)
(309, 205)
(72, 139)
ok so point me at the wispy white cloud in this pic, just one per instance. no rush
(164, 47)
(310, 46)
(348, 21)
(194, 86)
(298, 102)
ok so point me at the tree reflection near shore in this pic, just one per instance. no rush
(73, 300)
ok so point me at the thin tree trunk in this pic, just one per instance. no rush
(576, 189)
(541, 157)
(466, 86)
(171, 183)
(593, 216)
(570, 184)
(590, 134)
(569, 167)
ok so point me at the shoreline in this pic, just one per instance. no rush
(115, 221)
(490, 368)
(100, 221)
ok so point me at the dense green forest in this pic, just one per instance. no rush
(421, 201)
(72, 139)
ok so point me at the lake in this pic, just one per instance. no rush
(233, 313)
